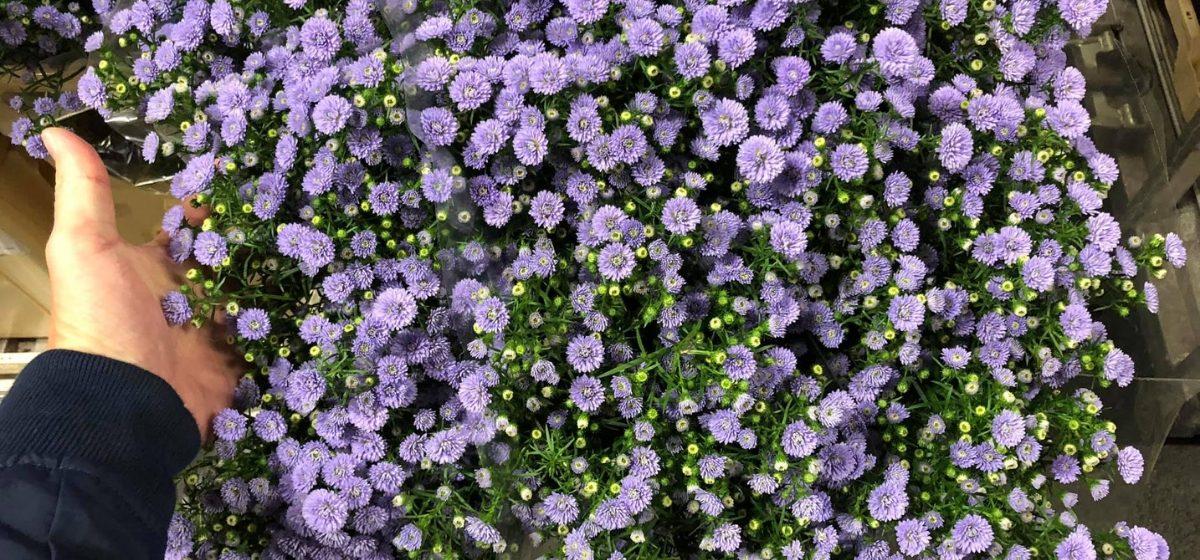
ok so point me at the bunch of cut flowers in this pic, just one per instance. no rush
(641, 279)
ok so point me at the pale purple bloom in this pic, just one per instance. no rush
(1130, 464)
(1175, 251)
(324, 511)
(895, 50)
(439, 126)
(849, 161)
(759, 159)
(585, 353)
(887, 502)
(1008, 428)
(692, 59)
(955, 148)
(587, 393)
(681, 215)
(906, 313)
(209, 248)
(253, 323)
(330, 114)
(176, 308)
(560, 508)
(726, 122)
(972, 534)
(912, 537)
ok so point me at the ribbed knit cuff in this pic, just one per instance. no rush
(84, 409)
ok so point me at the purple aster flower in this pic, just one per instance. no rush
(195, 176)
(1175, 251)
(692, 60)
(830, 117)
(470, 90)
(897, 187)
(739, 363)
(711, 467)
(725, 538)
(789, 239)
(644, 36)
(799, 440)
(1038, 273)
(681, 215)
(723, 425)
(546, 209)
(394, 308)
(445, 447)
(726, 123)
(895, 50)
(912, 537)
(150, 147)
(791, 73)
(491, 315)
(1065, 469)
(583, 123)
(331, 113)
(1000, 114)
(560, 508)
(615, 262)
(1008, 428)
(438, 126)
(324, 511)
(839, 47)
(1146, 544)
(906, 313)
(1076, 546)
(759, 159)
(953, 12)
(772, 112)
(176, 308)
(585, 353)
(530, 145)
(887, 502)
(179, 537)
(586, 11)
(91, 89)
(629, 143)
(320, 39)
(1130, 464)
(269, 426)
(1118, 367)
(229, 425)
(587, 393)
(956, 357)
(972, 534)
(160, 104)
(849, 161)
(735, 47)
(1076, 322)
(253, 324)
(956, 147)
(209, 248)
(1069, 119)
(409, 538)
(482, 532)
(1150, 292)
(1081, 14)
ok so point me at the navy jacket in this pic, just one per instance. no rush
(88, 448)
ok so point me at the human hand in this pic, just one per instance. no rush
(105, 292)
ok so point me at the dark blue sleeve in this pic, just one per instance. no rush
(88, 448)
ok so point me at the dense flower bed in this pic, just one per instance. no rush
(766, 278)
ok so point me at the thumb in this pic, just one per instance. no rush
(82, 195)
